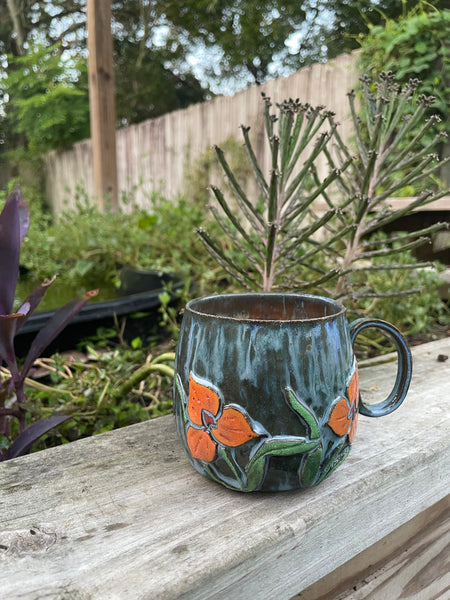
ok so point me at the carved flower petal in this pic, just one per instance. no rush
(339, 421)
(233, 428)
(200, 444)
(353, 388)
(201, 397)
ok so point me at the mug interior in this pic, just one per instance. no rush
(266, 307)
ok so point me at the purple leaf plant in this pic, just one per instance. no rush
(14, 223)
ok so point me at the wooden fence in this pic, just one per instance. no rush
(156, 154)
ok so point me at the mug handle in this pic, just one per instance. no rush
(404, 367)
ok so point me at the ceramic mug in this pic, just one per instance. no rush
(266, 388)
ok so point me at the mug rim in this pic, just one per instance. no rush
(191, 307)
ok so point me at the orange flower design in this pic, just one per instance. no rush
(344, 416)
(212, 423)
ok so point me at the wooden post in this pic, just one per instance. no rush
(102, 101)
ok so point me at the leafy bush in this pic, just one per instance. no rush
(88, 247)
(414, 46)
(101, 389)
(51, 103)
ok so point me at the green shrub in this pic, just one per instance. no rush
(407, 292)
(414, 47)
(87, 248)
(103, 389)
(50, 100)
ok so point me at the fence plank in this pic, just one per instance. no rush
(155, 154)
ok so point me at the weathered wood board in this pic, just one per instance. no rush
(123, 515)
(421, 572)
(411, 563)
(102, 101)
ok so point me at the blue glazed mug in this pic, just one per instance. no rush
(266, 388)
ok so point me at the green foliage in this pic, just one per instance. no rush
(44, 90)
(337, 26)
(101, 389)
(414, 46)
(250, 35)
(246, 39)
(47, 101)
(207, 167)
(34, 200)
(88, 248)
(169, 314)
(156, 89)
(407, 292)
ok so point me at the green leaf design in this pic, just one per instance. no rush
(223, 454)
(306, 414)
(276, 446)
(180, 390)
(311, 467)
(338, 457)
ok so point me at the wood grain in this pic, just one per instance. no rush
(102, 102)
(411, 563)
(123, 515)
(420, 572)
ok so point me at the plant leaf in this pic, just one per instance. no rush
(10, 237)
(53, 327)
(305, 414)
(24, 217)
(27, 438)
(9, 324)
(33, 300)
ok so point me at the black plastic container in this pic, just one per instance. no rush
(139, 293)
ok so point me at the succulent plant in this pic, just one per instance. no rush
(279, 241)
